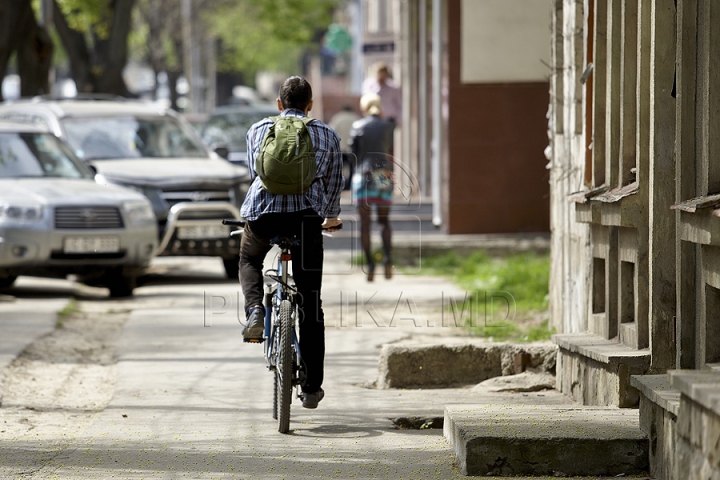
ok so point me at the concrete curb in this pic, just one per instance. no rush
(448, 365)
(546, 440)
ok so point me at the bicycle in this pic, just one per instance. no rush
(281, 346)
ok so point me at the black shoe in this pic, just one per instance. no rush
(311, 400)
(255, 327)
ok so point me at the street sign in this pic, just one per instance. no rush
(337, 39)
(386, 47)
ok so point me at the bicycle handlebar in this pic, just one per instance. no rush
(233, 222)
(241, 223)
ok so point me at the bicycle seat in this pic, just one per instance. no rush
(285, 242)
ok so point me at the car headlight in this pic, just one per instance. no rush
(138, 212)
(21, 213)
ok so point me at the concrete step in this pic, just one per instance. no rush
(409, 365)
(546, 440)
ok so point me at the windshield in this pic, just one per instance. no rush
(38, 155)
(131, 137)
(230, 129)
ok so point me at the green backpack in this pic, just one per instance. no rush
(286, 164)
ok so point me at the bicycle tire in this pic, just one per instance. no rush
(276, 380)
(274, 348)
(284, 366)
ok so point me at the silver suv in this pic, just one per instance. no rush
(153, 151)
(56, 220)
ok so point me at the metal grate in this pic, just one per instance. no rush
(88, 217)
(176, 196)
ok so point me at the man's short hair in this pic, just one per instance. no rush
(295, 92)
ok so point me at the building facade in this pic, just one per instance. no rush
(635, 213)
(475, 80)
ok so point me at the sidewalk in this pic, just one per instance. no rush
(192, 401)
(21, 323)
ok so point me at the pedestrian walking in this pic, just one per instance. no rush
(371, 141)
(390, 94)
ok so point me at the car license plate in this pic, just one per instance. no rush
(91, 245)
(203, 232)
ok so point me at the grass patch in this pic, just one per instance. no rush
(509, 294)
(69, 310)
(359, 260)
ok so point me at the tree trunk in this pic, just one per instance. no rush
(115, 51)
(99, 71)
(77, 51)
(172, 85)
(34, 60)
(14, 16)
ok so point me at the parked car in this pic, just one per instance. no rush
(151, 150)
(228, 126)
(56, 220)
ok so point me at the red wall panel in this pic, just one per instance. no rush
(497, 181)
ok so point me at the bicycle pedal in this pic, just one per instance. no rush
(252, 340)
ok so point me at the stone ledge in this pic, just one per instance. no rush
(658, 390)
(456, 364)
(545, 440)
(605, 351)
(703, 387)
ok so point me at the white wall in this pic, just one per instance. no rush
(505, 41)
(570, 255)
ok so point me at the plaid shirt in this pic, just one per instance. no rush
(324, 193)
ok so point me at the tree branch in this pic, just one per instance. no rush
(77, 50)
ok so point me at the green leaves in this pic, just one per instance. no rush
(268, 35)
(88, 15)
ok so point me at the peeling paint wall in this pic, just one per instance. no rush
(570, 251)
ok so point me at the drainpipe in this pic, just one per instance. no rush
(437, 118)
(422, 91)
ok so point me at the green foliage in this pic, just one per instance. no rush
(69, 310)
(267, 35)
(138, 47)
(522, 278)
(88, 15)
(539, 332)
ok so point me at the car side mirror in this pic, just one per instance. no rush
(92, 168)
(223, 151)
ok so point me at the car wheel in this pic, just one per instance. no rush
(8, 281)
(121, 286)
(232, 267)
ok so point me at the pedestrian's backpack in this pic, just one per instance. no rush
(286, 164)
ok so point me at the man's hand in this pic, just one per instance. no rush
(332, 224)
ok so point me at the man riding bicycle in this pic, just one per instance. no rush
(303, 215)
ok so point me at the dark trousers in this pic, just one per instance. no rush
(307, 266)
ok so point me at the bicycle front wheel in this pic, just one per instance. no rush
(284, 367)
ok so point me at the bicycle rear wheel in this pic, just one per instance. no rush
(284, 367)
(276, 381)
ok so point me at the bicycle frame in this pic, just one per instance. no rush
(276, 293)
(281, 308)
